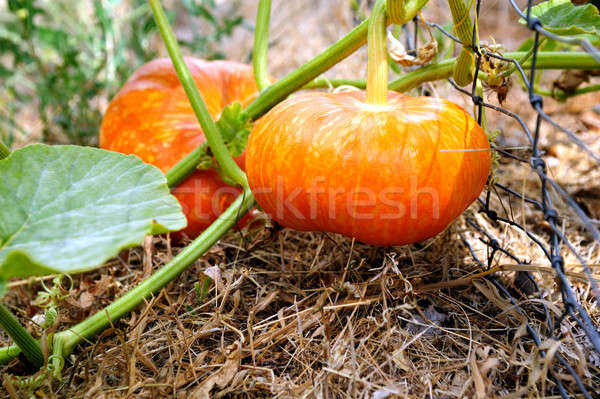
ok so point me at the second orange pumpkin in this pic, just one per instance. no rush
(151, 117)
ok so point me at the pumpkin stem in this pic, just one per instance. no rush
(383, 13)
(377, 61)
(261, 44)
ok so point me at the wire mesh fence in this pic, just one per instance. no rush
(572, 310)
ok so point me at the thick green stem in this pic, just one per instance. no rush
(4, 150)
(523, 59)
(65, 341)
(215, 141)
(30, 347)
(377, 57)
(324, 82)
(186, 166)
(261, 44)
(562, 96)
(307, 72)
(464, 69)
(403, 11)
(443, 70)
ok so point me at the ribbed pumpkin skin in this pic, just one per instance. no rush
(151, 117)
(330, 162)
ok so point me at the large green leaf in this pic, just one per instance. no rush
(563, 18)
(67, 209)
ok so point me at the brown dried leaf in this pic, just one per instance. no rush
(86, 299)
(570, 80)
(222, 376)
(148, 246)
(477, 378)
(425, 53)
(102, 285)
(265, 301)
(492, 294)
(215, 274)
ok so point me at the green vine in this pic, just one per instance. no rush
(444, 70)
(261, 44)
(464, 68)
(307, 72)
(30, 347)
(560, 95)
(65, 341)
(226, 163)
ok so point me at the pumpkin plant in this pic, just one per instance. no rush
(151, 117)
(360, 142)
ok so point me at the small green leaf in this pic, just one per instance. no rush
(67, 209)
(235, 127)
(2, 287)
(57, 39)
(562, 17)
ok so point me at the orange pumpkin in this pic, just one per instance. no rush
(386, 175)
(151, 117)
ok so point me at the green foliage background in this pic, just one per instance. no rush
(64, 59)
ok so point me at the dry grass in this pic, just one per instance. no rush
(294, 314)
(314, 315)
